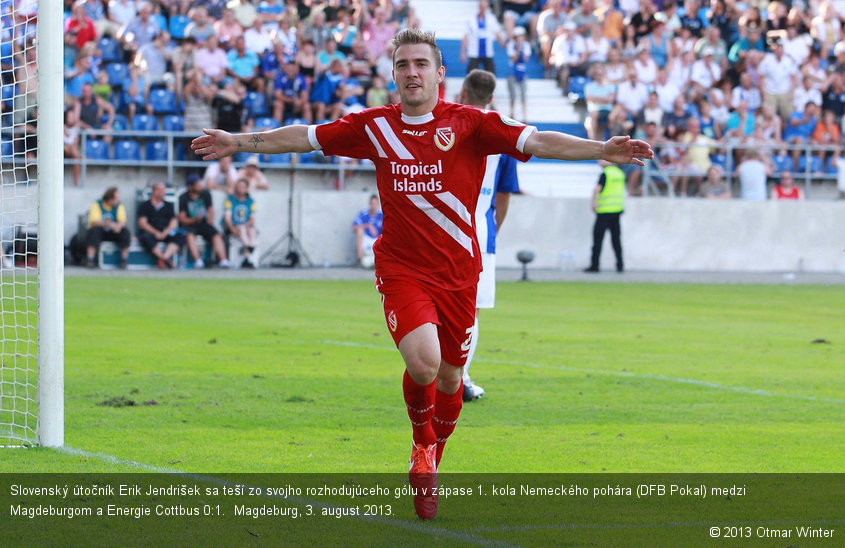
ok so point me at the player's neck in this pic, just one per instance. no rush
(419, 110)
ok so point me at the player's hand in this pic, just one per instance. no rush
(215, 144)
(624, 150)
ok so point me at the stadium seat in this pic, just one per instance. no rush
(118, 73)
(144, 122)
(177, 26)
(119, 123)
(161, 20)
(783, 162)
(96, 149)
(127, 151)
(577, 85)
(830, 165)
(256, 104)
(241, 157)
(720, 160)
(156, 151)
(276, 158)
(816, 165)
(296, 122)
(163, 101)
(173, 122)
(265, 123)
(109, 50)
(306, 158)
(7, 150)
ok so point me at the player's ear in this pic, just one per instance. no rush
(441, 74)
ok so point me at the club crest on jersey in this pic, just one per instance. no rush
(510, 121)
(391, 321)
(444, 138)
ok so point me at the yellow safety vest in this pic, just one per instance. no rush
(611, 199)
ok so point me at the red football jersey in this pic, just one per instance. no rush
(429, 170)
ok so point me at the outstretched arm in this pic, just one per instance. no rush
(217, 143)
(560, 146)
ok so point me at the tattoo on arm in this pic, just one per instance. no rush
(255, 140)
(240, 144)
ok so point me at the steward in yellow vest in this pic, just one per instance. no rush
(608, 202)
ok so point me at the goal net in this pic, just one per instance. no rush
(27, 386)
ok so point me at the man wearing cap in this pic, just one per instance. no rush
(195, 210)
(253, 175)
(705, 72)
(778, 77)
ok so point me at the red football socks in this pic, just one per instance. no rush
(420, 402)
(447, 408)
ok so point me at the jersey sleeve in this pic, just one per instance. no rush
(347, 136)
(498, 134)
(94, 214)
(507, 179)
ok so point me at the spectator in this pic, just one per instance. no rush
(597, 45)
(615, 70)
(378, 32)
(658, 44)
(770, 124)
(799, 129)
(752, 172)
(680, 70)
(245, 12)
(197, 97)
(666, 90)
(519, 51)
(826, 133)
(221, 175)
(107, 222)
(600, 96)
(140, 30)
(796, 46)
(651, 112)
(804, 94)
(550, 20)
(135, 94)
(778, 77)
(632, 94)
(152, 59)
(287, 35)
(272, 62)
(317, 32)
(675, 120)
(642, 22)
(80, 25)
(122, 12)
(229, 106)
(195, 211)
(326, 93)
(329, 54)
(696, 157)
(477, 45)
(713, 39)
(102, 88)
(568, 54)
(157, 223)
(584, 17)
(344, 32)
(243, 65)
(826, 29)
(256, 39)
(201, 27)
(367, 228)
(90, 110)
(360, 63)
(645, 66)
(377, 95)
(705, 72)
(306, 60)
(519, 13)
(71, 142)
(227, 28)
(786, 189)
(253, 175)
(833, 98)
(745, 91)
(211, 60)
(740, 123)
(618, 121)
(683, 41)
(239, 221)
(715, 187)
(76, 78)
(183, 60)
(752, 41)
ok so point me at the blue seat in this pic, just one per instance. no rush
(241, 157)
(306, 158)
(7, 150)
(96, 149)
(177, 26)
(265, 123)
(720, 160)
(816, 165)
(577, 85)
(118, 73)
(161, 20)
(127, 151)
(256, 104)
(830, 165)
(276, 158)
(173, 122)
(783, 162)
(109, 50)
(163, 101)
(156, 151)
(119, 123)
(144, 122)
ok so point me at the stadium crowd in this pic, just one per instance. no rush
(691, 77)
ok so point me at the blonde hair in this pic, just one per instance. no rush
(416, 36)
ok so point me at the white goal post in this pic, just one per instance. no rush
(31, 216)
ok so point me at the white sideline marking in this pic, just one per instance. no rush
(416, 527)
(627, 374)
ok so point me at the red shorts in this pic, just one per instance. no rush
(410, 303)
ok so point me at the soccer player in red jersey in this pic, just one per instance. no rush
(430, 157)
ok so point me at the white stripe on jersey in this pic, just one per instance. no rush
(520, 143)
(392, 139)
(381, 153)
(442, 221)
(455, 205)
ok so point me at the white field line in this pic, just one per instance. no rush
(627, 374)
(417, 527)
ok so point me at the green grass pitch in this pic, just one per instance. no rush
(293, 376)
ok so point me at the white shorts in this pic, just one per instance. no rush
(486, 297)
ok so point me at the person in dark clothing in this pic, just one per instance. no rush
(608, 203)
(157, 223)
